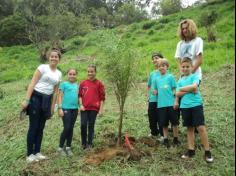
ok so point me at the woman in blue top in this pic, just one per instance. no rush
(68, 110)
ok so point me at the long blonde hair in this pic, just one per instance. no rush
(192, 29)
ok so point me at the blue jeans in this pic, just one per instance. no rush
(88, 119)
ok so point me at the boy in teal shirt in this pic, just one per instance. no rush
(165, 87)
(191, 107)
(153, 118)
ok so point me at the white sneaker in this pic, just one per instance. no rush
(31, 158)
(69, 152)
(61, 151)
(161, 139)
(39, 156)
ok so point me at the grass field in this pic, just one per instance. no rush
(218, 94)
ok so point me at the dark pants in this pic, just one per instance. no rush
(70, 116)
(88, 119)
(154, 120)
(38, 111)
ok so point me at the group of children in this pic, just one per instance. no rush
(168, 98)
(88, 97)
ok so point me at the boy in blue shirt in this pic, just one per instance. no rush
(165, 87)
(153, 118)
(191, 106)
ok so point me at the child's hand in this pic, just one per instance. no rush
(61, 113)
(100, 113)
(154, 92)
(176, 106)
(82, 108)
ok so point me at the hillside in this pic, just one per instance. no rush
(217, 88)
(158, 35)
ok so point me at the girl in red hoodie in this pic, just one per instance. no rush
(91, 98)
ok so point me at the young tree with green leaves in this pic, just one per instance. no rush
(120, 67)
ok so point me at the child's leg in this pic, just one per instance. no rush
(91, 122)
(190, 137)
(63, 133)
(165, 132)
(204, 137)
(83, 127)
(175, 131)
(73, 118)
(152, 117)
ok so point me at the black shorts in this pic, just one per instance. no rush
(193, 117)
(168, 114)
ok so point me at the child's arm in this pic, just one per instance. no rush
(81, 104)
(59, 102)
(190, 88)
(102, 98)
(100, 113)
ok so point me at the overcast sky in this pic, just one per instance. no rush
(184, 2)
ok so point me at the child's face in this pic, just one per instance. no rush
(72, 75)
(53, 58)
(91, 73)
(186, 68)
(155, 61)
(163, 68)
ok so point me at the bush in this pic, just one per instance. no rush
(151, 32)
(148, 25)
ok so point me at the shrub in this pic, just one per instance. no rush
(148, 25)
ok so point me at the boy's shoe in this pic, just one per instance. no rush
(208, 157)
(39, 156)
(188, 154)
(176, 142)
(61, 151)
(161, 139)
(166, 143)
(84, 147)
(31, 158)
(69, 152)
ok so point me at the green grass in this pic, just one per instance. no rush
(217, 91)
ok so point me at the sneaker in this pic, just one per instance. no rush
(161, 139)
(69, 152)
(39, 156)
(176, 142)
(31, 158)
(166, 143)
(208, 157)
(188, 154)
(61, 151)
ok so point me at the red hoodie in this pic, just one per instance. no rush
(92, 93)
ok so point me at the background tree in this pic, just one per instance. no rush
(207, 20)
(170, 6)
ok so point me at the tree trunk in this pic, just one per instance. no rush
(120, 126)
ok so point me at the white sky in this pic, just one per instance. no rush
(184, 2)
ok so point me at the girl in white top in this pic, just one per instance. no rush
(40, 103)
(190, 45)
